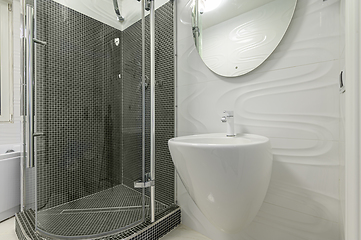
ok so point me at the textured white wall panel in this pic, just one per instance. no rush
(302, 200)
(275, 223)
(300, 102)
(322, 179)
(311, 39)
(292, 98)
(305, 151)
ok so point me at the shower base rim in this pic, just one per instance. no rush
(165, 222)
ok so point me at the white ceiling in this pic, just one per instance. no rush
(103, 10)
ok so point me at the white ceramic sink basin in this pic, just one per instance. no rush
(227, 177)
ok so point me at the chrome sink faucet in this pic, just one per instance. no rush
(229, 119)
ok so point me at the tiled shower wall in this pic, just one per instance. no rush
(89, 105)
(164, 103)
(79, 107)
(292, 98)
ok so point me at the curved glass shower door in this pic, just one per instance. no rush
(88, 120)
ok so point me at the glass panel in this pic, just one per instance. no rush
(89, 108)
(164, 105)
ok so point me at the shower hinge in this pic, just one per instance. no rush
(342, 82)
(140, 184)
(147, 5)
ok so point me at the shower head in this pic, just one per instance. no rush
(117, 12)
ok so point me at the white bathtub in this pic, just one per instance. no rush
(9, 181)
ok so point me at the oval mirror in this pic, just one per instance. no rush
(233, 37)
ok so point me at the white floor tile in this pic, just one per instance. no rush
(7, 230)
(8, 237)
(183, 233)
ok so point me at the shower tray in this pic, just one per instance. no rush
(105, 211)
(166, 220)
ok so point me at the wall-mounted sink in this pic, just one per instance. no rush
(227, 177)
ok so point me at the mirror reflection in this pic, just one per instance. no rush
(233, 37)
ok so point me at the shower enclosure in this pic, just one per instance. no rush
(97, 116)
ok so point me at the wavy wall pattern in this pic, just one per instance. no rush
(293, 99)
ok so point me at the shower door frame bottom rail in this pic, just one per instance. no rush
(165, 222)
(96, 236)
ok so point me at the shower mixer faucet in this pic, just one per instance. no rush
(229, 119)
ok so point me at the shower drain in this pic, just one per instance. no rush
(101, 210)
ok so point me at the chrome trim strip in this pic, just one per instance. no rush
(29, 79)
(152, 109)
(143, 104)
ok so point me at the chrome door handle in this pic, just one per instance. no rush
(38, 134)
(30, 80)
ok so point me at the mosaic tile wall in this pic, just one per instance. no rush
(79, 107)
(164, 56)
(132, 104)
(164, 104)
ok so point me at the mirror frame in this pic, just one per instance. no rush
(241, 43)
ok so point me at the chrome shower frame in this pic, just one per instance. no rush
(152, 109)
(28, 88)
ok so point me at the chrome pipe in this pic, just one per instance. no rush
(117, 11)
(31, 137)
(175, 48)
(143, 105)
(23, 198)
(29, 80)
(152, 109)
